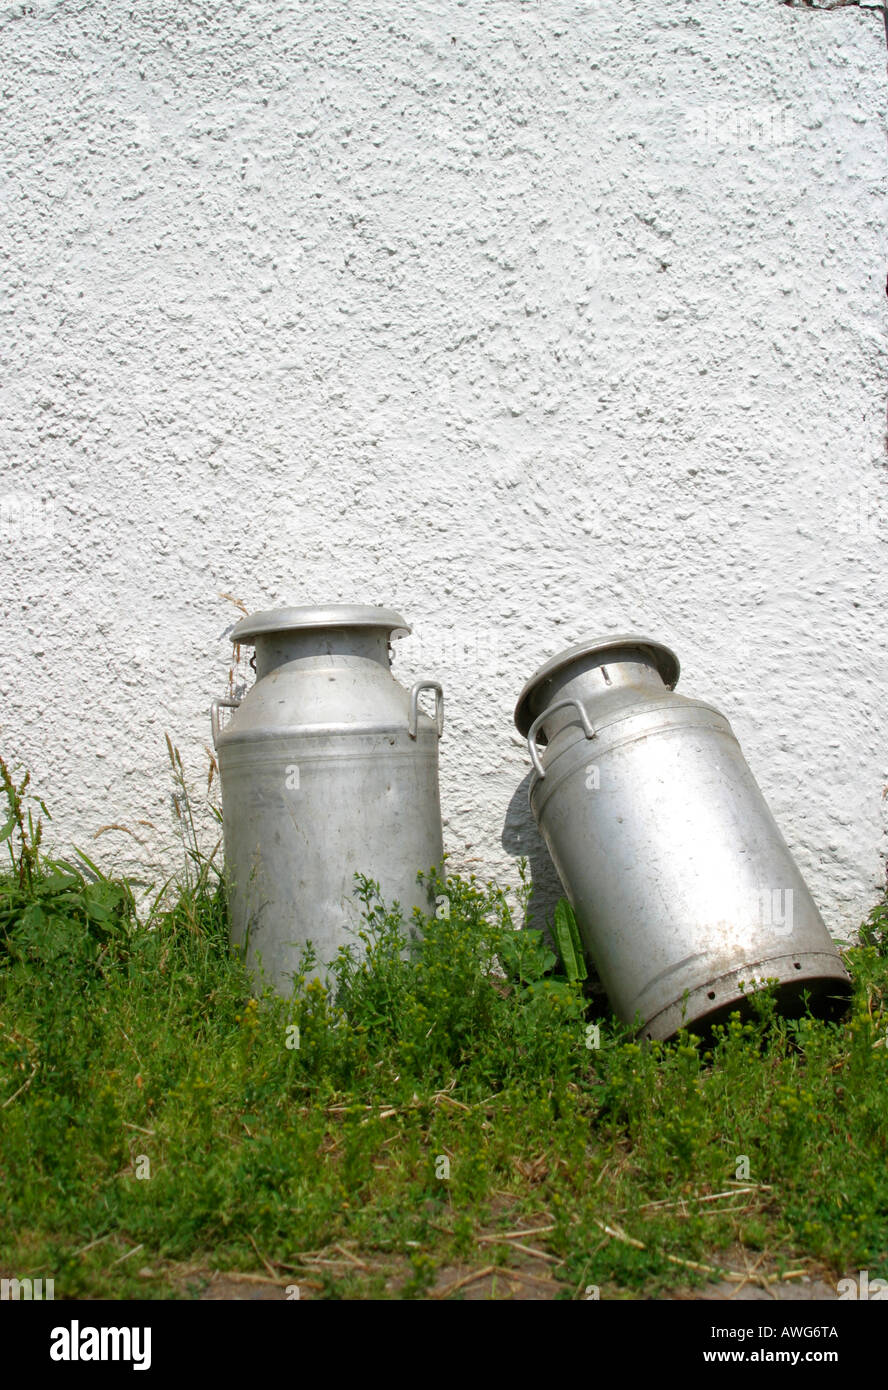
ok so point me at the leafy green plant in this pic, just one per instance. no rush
(569, 942)
(54, 912)
(874, 931)
(21, 834)
(162, 1114)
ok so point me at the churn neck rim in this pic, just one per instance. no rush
(663, 657)
(330, 615)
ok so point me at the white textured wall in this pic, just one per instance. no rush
(525, 319)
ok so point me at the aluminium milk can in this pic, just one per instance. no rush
(328, 767)
(681, 881)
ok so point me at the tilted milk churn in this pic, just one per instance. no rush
(328, 767)
(683, 886)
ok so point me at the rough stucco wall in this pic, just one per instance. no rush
(527, 320)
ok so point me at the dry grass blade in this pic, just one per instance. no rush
(24, 1086)
(358, 1264)
(113, 825)
(732, 1275)
(616, 1234)
(750, 1275)
(268, 1265)
(238, 602)
(93, 1243)
(461, 1283)
(666, 1203)
(451, 1100)
(253, 1278)
(526, 1277)
(125, 1256)
(493, 1236)
(537, 1254)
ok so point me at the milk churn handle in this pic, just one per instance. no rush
(413, 714)
(224, 702)
(588, 729)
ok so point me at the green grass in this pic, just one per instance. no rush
(127, 1038)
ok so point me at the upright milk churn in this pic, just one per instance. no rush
(683, 886)
(328, 767)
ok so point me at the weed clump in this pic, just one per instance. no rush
(443, 1082)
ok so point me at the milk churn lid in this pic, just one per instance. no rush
(329, 615)
(662, 656)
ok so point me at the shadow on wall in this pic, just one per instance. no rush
(522, 839)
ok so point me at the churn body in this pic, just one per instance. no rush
(328, 767)
(684, 888)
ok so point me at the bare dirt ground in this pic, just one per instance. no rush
(530, 1275)
(525, 1284)
(526, 1277)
